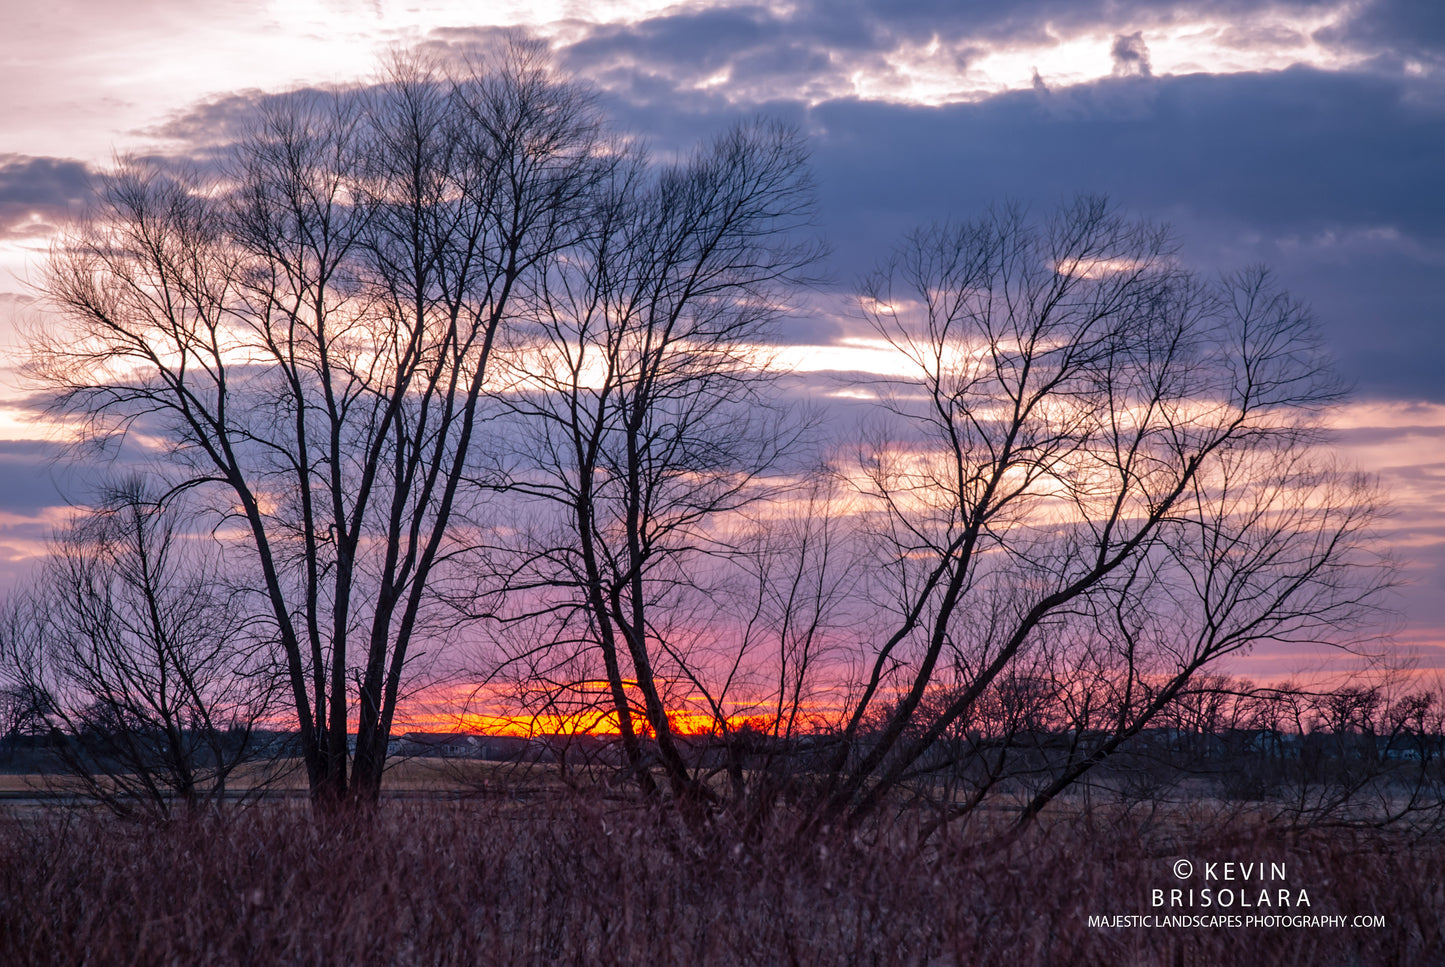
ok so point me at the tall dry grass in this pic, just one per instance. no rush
(584, 882)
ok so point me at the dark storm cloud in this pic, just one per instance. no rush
(37, 194)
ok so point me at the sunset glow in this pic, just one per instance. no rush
(1278, 134)
(722, 482)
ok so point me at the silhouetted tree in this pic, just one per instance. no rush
(309, 333)
(644, 418)
(1101, 460)
(131, 649)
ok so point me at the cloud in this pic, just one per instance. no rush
(213, 122)
(1328, 173)
(1131, 55)
(30, 471)
(38, 194)
(1263, 36)
(1331, 178)
(940, 52)
(1393, 30)
(1292, 152)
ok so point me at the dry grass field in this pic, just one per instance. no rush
(405, 778)
(576, 880)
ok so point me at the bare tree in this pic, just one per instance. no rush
(644, 419)
(1102, 462)
(20, 719)
(398, 311)
(134, 653)
(310, 333)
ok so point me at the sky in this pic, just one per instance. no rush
(1307, 135)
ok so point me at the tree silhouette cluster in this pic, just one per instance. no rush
(447, 352)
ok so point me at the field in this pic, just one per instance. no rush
(286, 779)
(574, 879)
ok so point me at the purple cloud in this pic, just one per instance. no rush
(38, 194)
